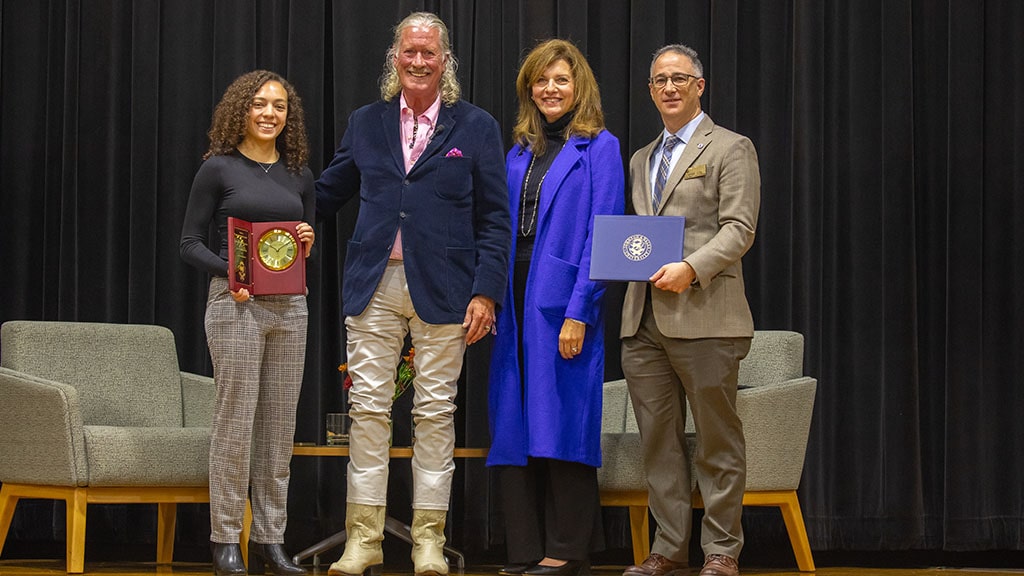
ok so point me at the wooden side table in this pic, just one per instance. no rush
(391, 526)
(396, 451)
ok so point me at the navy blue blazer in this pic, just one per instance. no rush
(452, 207)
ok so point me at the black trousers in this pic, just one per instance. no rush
(552, 508)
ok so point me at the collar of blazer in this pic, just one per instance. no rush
(391, 120)
(698, 143)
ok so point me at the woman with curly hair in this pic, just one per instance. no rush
(255, 170)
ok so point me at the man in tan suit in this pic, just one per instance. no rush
(685, 331)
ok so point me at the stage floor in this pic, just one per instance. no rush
(55, 567)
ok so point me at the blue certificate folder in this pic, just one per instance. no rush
(634, 247)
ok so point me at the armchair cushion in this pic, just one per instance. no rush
(625, 471)
(127, 374)
(120, 456)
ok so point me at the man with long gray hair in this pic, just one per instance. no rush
(429, 256)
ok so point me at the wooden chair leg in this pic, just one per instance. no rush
(166, 517)
(794, 520)
(788, 504)
(785, 500)
(77, 502)
(8, 501)
(640, 529)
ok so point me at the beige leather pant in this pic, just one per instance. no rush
(375, 340)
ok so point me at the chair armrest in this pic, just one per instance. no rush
(41, 437)
(776, 422)
(198, 399)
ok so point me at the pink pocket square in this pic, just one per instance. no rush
(454, 153)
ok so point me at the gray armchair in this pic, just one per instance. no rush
(775, 403)
(100, 414)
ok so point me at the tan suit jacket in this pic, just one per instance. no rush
(717, 187)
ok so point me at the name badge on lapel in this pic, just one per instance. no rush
(696, 172)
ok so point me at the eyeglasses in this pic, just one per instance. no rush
(678, 79)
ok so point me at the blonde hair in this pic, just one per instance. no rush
(588, 119)
(391, 84)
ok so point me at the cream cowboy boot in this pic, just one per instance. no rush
(364, 525)
(428, 542)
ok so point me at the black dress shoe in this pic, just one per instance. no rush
(227, 559)
(515, 569)
(570, 568)
(272, 557)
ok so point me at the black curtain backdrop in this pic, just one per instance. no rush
(891, 144)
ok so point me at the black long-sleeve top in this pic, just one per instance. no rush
(554, 134)
(233, 185)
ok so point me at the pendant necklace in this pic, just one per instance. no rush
(267, 165)
(525, 229)
(415, 128)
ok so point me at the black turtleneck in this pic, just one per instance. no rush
(554, 136)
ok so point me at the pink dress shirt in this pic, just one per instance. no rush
(416, 132)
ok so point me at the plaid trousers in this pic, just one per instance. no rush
(258, 349)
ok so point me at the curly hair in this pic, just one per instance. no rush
(228, 127)
(391, 84)
(588, 119)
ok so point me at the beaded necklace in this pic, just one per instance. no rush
(525, 229)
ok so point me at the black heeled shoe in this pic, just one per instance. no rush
(227, 559)
(272, 556)
(515, 569)
(570, 568)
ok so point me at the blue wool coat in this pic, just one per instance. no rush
(558, 412)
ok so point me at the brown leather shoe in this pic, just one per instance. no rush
(719, 565)
(656, 565)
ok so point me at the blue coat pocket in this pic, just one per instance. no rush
(554, 287)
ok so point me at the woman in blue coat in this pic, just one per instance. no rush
(547, 368)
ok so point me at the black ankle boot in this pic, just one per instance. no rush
(273, 557)
(227, 559)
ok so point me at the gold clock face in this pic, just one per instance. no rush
(277, 249)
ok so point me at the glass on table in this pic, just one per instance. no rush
(338, 425)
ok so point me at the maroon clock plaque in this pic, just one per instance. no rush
(266, 257)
